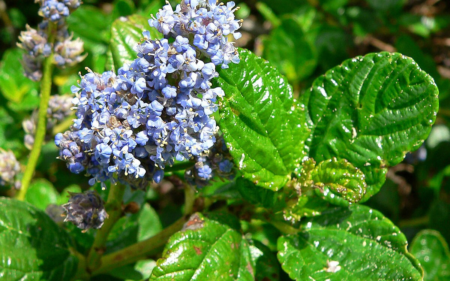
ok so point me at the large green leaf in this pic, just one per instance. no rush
(259, 122)
(430, 248)
(355, 243)
(289, 49)
(126, 33)
(206, 249)
(32, 246)
(370, 111)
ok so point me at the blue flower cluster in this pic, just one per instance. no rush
(35, 42)
(54, 10)
(209, 23)
(156, 110)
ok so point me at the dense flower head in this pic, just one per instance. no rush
(35, 41)
(86, 210)
(153, 112)
(208, 22)
(59, 108)
(9, 169)
(54, 10)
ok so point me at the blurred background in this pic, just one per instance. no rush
(303, 38)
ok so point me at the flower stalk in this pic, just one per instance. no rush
(46, 86)
(114, 210)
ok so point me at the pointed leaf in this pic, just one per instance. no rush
(355, 243)
(259, 122)
(370, 111)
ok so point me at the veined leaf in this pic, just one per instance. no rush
(206, 249)
(370, 111)
(355, 243)
(259, 122)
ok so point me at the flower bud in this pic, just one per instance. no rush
(86, 210)
(69, 52)
(9, 168)
(34, 42)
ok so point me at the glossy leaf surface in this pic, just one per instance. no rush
(430, 248)
(32, 246)
(370, 111)
(206, 249)
(355, 243)
(259, 122)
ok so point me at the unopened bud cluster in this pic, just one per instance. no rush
(35, 41)
(86, 210)
(159, 108)
(59, 108)
(9, 169)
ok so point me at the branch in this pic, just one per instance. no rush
(139, 250)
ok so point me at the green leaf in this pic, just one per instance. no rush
(355, 243)
(370, 111)
(133, 228)
(430, 248)
(123, 8)
(289, 49)
(338, 178)
(259, 122)
(126, 33)
(255, 195)
(32, 246)
(14, 86)
(41, 193)
(439, 214)
(266, 264)
(386, 5)
(92, 26)
(206, 249)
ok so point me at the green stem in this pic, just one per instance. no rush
(81, 274)
(114, 209)
(189, 199)
(284, 227)
(179, 167)
(414, 222)
(46, 86)
(64, 125)
(139, 250)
